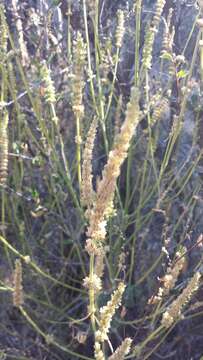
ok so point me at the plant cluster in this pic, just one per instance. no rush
(101, 209)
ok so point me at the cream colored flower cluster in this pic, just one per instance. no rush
(169, 280)
(87, 193)
(150, 34)
(173, 312)
(107, 312)
(98, 353)
(18, 287)
(106, 186)
(122, 350)
(79, 55)
(120, 28)
(3, 33)
(4, 144)
(94, 283)
(49, 90)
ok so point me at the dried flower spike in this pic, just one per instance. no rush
(4, 148)
(20, 33)
(200, 2)
(99, 264)
(3, 34)
(122, 350)
(91, 7)
(173, 312)
(18, 288)
(160, 110)
(107, 312)
(150, 35)
(87, 192)
(106, 186)
(157, 16)
(169, 280)
(79, 54)
(49, 90)
(120, 28)
(98, 353)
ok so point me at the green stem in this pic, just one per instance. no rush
(137, 46)
(78, 151)
(48, 337)
(92, 305)
(36, 268)
(89, 58)
(137, 40)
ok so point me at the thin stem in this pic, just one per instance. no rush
(92, 306)
(49, 338)
(78, 151)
